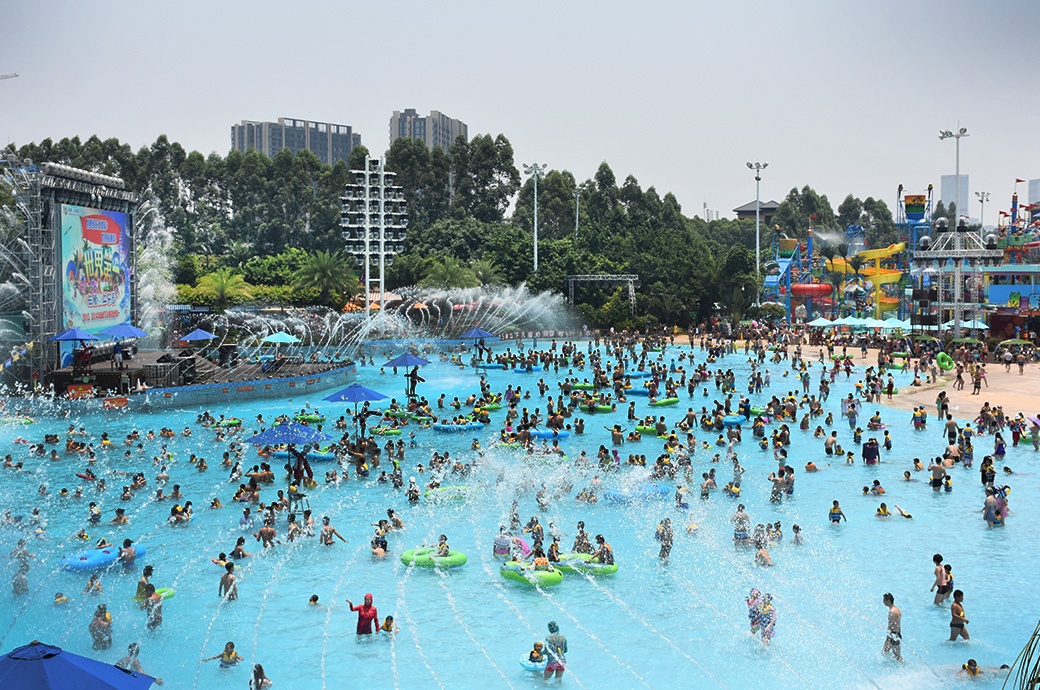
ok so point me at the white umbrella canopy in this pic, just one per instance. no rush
(820, 323)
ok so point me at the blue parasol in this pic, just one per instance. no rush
(476, 334)
(39, 666)
(407, 360)
(355, 393)
(124, 330)
(291, 433)
(199, 334)
(75, 334)
(281, 338)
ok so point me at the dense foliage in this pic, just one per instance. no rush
(251, 227)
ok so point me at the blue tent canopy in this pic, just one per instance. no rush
(39, 666)
(199, 334)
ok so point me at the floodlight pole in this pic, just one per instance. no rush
(758, 168)
(535, 170)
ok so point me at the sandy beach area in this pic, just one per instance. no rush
(1008, 390)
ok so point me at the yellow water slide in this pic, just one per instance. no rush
(873, 272)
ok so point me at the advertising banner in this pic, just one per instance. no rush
(95, 265)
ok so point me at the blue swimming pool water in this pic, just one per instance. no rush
(680, 624)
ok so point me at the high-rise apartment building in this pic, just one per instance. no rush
(330, 143)
(436, 129)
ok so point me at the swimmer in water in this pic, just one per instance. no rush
(228, 658)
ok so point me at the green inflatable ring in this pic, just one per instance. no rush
(665, 402)
(492, 407)
(517, 572)
(580, 563)
(600, 408)
(904, 355)
(386, 431)
(310, 418)
(424, 558)
(646, 429)
(584, 386)
(944, 361)
(758, 410)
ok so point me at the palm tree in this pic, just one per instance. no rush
(837, 280)
(238, 252)
(487, 272)
(328, 273)
(668, 305)
(223, 286)
(449, 272)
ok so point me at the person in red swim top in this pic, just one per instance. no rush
(367, 616)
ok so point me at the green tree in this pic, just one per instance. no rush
(485, 178)
(449, 272)
(800, 208)
(330, 274)
(487, 272)
(223, 287)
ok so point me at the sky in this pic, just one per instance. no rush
(846, 97)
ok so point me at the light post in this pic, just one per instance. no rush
(947, 134)
(535, 170)
(577, 195)
(758, 168)
(983, 197)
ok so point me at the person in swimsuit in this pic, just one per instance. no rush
(556, 648)
(958, 622)
(941, 585)
(367, 616)
(836, 515)
(895, 635)
(328, 532)
(228, 658)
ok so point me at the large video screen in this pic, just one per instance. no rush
(95, 261)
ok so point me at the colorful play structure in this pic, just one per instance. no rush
(798, 276)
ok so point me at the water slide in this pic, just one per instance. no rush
(873, 272)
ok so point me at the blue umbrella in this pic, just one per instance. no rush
(476, 334)
(291, 433)
(39, 666)
(199, 334)
(356, 393)
(124, 330)
(407, 360)
(281, 338)
(75, 334)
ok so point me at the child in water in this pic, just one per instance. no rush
(536, 656)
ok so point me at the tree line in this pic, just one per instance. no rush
(249, 227)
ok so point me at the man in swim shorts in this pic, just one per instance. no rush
(556, 649)
(895, 636)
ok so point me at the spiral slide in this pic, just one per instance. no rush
(873, 272)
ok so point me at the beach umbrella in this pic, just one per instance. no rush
(281, 338)
(476, 334)
(820, 323)
(874, 323)
(74, 334)
(356, 393)
(1016, 341)
(39, 666)
(199, 334)
(290, 433)
(124, 330)
(966, 341)
(407, 360)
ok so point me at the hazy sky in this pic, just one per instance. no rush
(842, 96)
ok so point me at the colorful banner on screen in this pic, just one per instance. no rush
(914, 204)
(95, 251)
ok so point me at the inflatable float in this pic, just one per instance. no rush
(423, 558)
